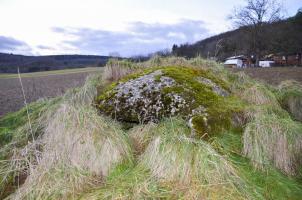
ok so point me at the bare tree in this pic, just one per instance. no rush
(254, 16)
(218, 47)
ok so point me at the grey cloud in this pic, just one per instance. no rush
(11, 45)
(58, 29)
(140, 38)
(43, 47)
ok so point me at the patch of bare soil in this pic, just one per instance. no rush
(11, 98)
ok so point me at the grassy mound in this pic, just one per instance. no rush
(64, 148)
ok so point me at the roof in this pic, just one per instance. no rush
(232, 62)
(237, 57)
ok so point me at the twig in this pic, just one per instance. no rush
(25, 103)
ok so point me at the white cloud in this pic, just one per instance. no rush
(139, 38)
(31, 20)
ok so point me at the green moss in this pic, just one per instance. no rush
(219, 109)
(157, 78)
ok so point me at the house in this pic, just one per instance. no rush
(294, 59)
(266, 63)
(236, 62)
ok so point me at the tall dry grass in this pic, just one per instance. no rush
(79, 149)
(271, 140)
(173, 157)
(75, 148)
(170, 165)
(258, 94)
(290, 97)
(116, 69)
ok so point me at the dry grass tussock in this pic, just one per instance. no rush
(173, 157)
(117, 69)
(269, 139)
(76, 149)
(170, 165)
(258, 94)
(290, 96)
(79, 148)
(24, 150)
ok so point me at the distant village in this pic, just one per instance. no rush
(272, 60)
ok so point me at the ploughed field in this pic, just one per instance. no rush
(274, 75)
(38, 85)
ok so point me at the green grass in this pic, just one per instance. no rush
(12, 121)
(270, 184)
(54, 72)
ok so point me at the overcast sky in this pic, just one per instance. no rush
(100, 27)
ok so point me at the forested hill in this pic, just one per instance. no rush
(10, 62)
(280, 37)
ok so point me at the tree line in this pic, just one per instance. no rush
(261, 31)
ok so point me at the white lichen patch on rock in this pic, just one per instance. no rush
(216, 88)
(142, 100)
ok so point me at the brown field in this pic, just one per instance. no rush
(38, 85)
(274, 75)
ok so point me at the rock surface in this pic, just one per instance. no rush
(166, 92)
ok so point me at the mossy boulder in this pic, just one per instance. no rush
(196, 95)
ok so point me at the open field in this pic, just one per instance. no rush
(49, 73)
(274, 75)
(38, 85)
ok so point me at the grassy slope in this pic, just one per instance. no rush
(160, 160)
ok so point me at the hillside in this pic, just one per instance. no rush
(167, 128)
(280, 37)
(10, 62)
